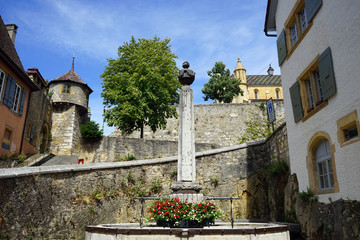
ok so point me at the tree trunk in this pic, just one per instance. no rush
(142, 130)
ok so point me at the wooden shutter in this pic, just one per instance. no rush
(281, 47)
(311, 7)
(296, 101)
(326, 73)
(23, 96)
(9, 91)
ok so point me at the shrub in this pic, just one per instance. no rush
(128, 157)
(276, 168)
(91, 131)
(156, 186)
(308, 196)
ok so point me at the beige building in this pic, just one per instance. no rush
(257, 87)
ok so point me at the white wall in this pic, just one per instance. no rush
(336, 25)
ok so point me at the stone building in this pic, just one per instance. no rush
(70, 110)
(318, 49)
(257, 87)
(38, 120)
(15, 89)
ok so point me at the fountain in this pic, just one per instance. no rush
(186, 189)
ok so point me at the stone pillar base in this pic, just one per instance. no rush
(188, 197)
(188, 187)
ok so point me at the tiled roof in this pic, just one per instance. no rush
(7, 45)
(263, 79)
(71, 76)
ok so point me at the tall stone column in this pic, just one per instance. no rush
(186, 187)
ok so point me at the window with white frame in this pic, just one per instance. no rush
(303, 20)
(323, 161)
(15, 103)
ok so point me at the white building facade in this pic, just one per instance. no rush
(319, 54)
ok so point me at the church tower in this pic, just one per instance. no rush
(70, 110)
(240, 73)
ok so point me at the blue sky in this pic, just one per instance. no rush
(201, 32)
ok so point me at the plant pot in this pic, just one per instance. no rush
(190, 224)
(208, 222)
(163, 223)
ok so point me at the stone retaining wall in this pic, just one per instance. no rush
(57, 202)
(109, 149)
(221, 124)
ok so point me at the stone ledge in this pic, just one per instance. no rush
(31, 171)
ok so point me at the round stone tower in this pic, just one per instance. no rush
(70, 97)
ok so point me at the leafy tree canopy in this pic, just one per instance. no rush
(91, 131)
(221, 86)
(140, 86)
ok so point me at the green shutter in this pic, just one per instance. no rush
(296, 101)
(23, 96)
(311, 8)
(9, 91)
(326, 73)
(281, 47)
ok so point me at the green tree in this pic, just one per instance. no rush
(221, 86)
(91, 131)
(140, 86)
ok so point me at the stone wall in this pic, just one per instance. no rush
(109, 149)
(38, 123)
(79, 93)
(57, 202)
(221, 124)
(336, 220)
(65, 131)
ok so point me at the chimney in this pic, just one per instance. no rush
(11, 28)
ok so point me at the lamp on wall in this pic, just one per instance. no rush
(270, 70)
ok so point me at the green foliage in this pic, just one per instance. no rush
(173, 174)
(290, 216)
(91, 131)
(19, 158)
(140, 86)
(277, 168)
(308, 196)
(91, 210)
(156, 186)
(221, 85)
(128, 157)
(262, 106)
(214, 181)
(256, 130)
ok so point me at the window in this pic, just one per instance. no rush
(277, 93)
(296, 27)
(14, 98)
(6, 142)
(321, 164)
(15, 103)
(314, 86)
(323, 160)
(256, 94)
(65, 88)
(348, 129)
(2, 81)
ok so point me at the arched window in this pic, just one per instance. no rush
(256, 93)
(323, 161)
(277, 93)
(321, 164)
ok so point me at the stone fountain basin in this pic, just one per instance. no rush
(223, 230)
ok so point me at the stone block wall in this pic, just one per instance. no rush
(109, 149)
(39, 119)
(57, 202)
(65, 131)
(221, 124)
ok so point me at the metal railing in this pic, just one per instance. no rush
(143, 199)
